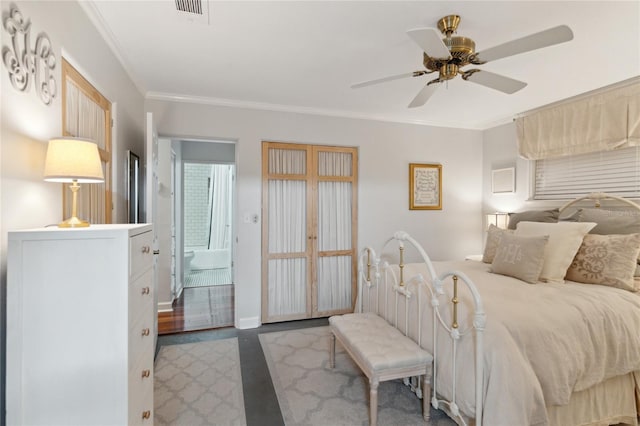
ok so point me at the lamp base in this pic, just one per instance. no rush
(73, 222)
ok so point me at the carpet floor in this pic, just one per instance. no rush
(199, 384)
(311, 393)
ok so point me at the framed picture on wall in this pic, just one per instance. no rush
(425, 186)
(503, 181)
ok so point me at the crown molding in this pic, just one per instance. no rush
(103, 29)
(231, 103)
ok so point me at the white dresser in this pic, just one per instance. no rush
(80, 326)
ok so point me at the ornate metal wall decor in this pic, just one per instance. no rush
(26, 64)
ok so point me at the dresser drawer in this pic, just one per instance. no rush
(141, 402)
(141, 295)
(140, 253)
(141, 337)
(141, 390)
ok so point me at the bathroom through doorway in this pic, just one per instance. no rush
(208, 197)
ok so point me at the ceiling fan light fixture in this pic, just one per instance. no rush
(448, 71)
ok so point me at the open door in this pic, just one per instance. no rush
(151, 199)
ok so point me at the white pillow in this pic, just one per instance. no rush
(565, 239)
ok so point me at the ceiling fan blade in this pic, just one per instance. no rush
(430, 42)
(381, 80)
(423, 95)
(535, 41)
(496, 81)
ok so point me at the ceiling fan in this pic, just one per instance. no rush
(448, 55)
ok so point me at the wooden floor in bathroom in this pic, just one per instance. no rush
(199, 308)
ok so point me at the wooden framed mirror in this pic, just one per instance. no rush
(133, 187)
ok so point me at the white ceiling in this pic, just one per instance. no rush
(304, 56)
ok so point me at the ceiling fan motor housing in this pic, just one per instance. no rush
(458, 45)
(461, 50)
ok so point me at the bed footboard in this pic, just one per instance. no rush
(380, 275)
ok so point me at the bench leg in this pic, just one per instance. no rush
(426, 395)
(373, 401)
(332, 351)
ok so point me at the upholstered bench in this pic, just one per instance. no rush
(382, 352)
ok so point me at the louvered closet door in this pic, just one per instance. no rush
(286, 240)
(309, 233)
(335, 210)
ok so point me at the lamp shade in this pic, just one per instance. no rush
(70, 159)
(501, 220)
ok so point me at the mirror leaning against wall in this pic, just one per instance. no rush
(133, 187)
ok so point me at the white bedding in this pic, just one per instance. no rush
(542, 342)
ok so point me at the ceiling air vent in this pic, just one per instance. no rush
(193, 10)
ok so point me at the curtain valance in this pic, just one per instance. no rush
(600, 122)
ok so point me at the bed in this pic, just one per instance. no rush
(511, 352)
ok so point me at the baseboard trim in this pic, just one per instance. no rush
(165, 307)
(251, 322)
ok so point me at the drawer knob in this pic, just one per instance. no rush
(146, 290)
(146, 414)
(146, 373)
(145, 331)
(146, 249)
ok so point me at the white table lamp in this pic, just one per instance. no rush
(501, 220)
(73, 160)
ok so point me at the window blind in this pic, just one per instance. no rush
(615, 172)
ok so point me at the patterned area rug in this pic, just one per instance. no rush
(310, 393)
(199, 384)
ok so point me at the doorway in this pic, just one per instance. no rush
(203, 200)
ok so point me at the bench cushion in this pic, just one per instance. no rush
(377, 342)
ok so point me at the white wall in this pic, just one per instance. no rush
(385, 151)
(500, 150)
(217, 152)
(27, 124)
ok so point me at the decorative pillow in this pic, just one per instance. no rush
(565, 239)
(612, 221)
(548, 216)
(494, 235)
(520, 257)
(607, 260)
(570, 217)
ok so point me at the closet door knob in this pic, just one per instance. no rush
(146, 249)
(145, 331)
(146, 414)
(146, 290)
(146, 373)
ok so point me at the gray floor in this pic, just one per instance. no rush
(260, 400)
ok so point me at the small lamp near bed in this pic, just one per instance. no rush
(73, 160)
(501, 220)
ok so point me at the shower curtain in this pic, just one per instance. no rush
(220, 207)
